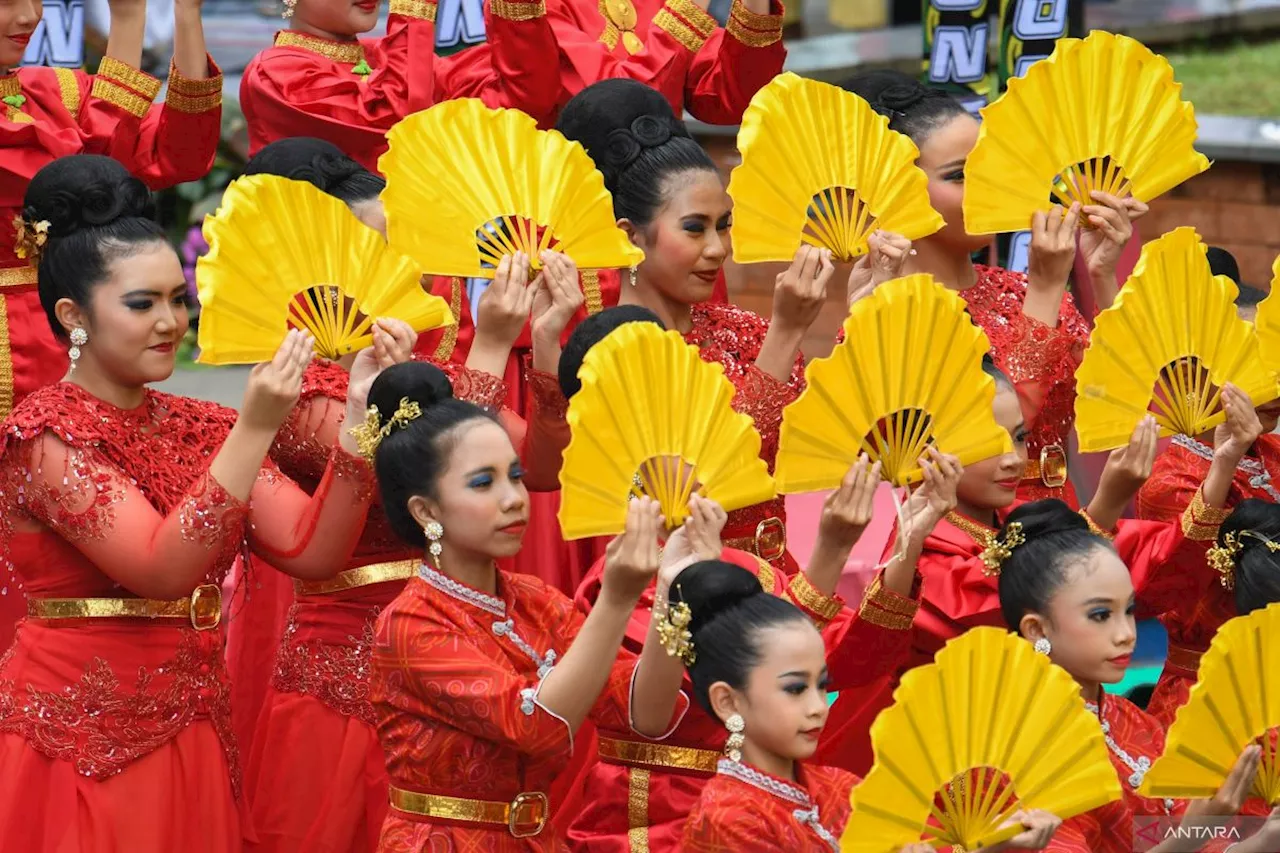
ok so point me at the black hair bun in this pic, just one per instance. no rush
(616, 119)
(590, 332)
(711, 587)
(899, 97)
(85, 191)
(303, 158)
(1043, 518)
(415, 381)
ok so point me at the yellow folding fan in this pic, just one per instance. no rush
(467, 184)
(907, 375)
(1165, 347)
(1100, 114)
(285, 255)
(1267, 323)
(652, 418)
(1235, 702)
(819, 166)
(988, 728)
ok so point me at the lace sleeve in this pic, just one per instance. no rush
(762, 398)
(305, 442)
(548, 431)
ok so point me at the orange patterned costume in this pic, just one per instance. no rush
(1191, 624)
(108, 700)
(743, 810)
(470, 750)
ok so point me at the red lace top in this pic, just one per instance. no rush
(89, 492)
(1040, 360)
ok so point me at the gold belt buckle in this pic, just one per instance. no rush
(206, 607)
(535, 800)
(1053, 466)
(771, 539)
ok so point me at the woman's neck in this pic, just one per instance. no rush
(769, 762)
(977, 513)
(92, 380)
(674, 315)
(477, 571)
(311, 30)
(1091, 691)
(953, 270)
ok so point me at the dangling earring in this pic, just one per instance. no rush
(633, 275)
(79, 337)
(288, 9)
(733, 746)
(434, 531)
(1043, 646)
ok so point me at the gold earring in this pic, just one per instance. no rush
(434, 531)
(79, 337)
(733, 746)
(633, 275)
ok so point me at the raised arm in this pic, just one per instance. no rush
(736, 62)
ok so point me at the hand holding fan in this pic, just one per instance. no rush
(285, 255)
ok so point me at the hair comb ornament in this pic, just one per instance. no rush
(1222, 558)
(370, 434)
(1000, 549)
(29, 239)
(673, 630)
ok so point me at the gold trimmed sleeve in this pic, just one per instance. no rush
(818, 607)
(753, 29)
(211, 85)
(117, 95)
(1094, 528)
(128, 77)
(591, 278)
(1200, 521)
(518, 10)
(422, 9)
(686, 23)
(886, 608)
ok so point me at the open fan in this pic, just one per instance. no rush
(988, 728)
(1235, 701)
(652, 418)
(907, 375)
(1171, 339)
(467, 185)
(1100, 114)
(1268, 323)
(819, 166)
(285, 255)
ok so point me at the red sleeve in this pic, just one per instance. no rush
(734, 64)
(959, 587)
(515, 67)
(548, 435)
(1166, 561)
(1168, 491)
(762, 398)
(862, 645)
(1080, 834)
(677, 33)
(165, 144)
(288, 91)
(720, 822)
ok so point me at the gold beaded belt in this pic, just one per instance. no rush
(524, 817)
(21, 276)
(400, 570)
(768, 543)
(648, 755)
(203, 608)
(1183, 658)
(1050, 469)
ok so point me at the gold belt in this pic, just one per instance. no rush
(203, 608)
(524, 817)
(768, 543)
(21, 276)
(1050, 469)
(1183, 658)
(648, 755)
(399, 570)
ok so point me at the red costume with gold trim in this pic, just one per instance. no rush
(640, 791)
(744, 810)
(352, 92)
(1192, 623)
(101, 709)
(673, 46)
(316, 776)
(456, 675)
(1041, 361)
(959, 591)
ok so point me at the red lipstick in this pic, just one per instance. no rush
(22, 39)
(1122, 660)
(516, 529)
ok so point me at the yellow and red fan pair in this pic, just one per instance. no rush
(1165, 347)
(282, 255)
(988, 729)
(467, 185)
(1102, 113)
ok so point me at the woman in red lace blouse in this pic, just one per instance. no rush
(122, 508)
(1037, 334)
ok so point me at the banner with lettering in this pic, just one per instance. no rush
(957, 40)
(59, 37)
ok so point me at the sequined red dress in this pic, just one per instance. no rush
(456, 674)
(640, 791)
(1177, 474)
(959, 591)
(1041, 361)
(744, 810)
(316, 776)
(115, 733)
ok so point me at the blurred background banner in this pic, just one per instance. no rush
(59, 38)
(957, 47)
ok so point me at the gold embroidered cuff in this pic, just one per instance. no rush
(591, 278)
(693, 15)
(678, 27)
(113, 93)
(518, 10)
(346, 52)
(825, 607)
(193, 105)
(211, 85)
(752, 29)
(422, 9)
(886, 608)
(129, 77)
(1094, 528)
(1200, 521)
(885, 619)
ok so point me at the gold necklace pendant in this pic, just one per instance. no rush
(632, 42)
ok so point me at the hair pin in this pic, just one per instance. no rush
(369, 435)
(673, 630)
(29, 239)
(998, 550)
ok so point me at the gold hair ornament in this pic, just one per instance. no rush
(999, 550)
(673, 630)
(1222, 558)
(370, 434)
(29, 239)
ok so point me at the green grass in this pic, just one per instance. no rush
(1238, 79)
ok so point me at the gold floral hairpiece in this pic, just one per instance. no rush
(998, 550)
(673, 630)
(29, 239)
(370, 434)
(1222, 558)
